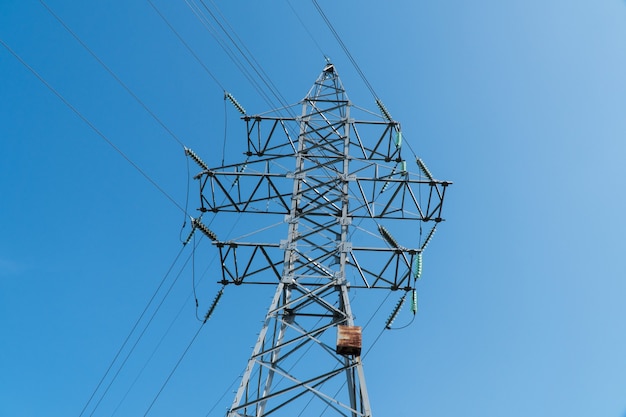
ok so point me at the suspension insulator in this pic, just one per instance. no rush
(205, 230)
(424, 169)
(196, 158)
(213, 305)
(395, 312)
(387, 236)
(417, 268)
(428, 238)
(235, 103)
(384, 110)
(414, 301)
(398, 139)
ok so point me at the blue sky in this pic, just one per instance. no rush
(521, 104)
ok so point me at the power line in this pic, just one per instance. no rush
(304, 26)
(192, 294)
(132, 330)
(128, 90)
(353, 61)
(171, 325)
(180, 38)
(190, 257)
(174, 369)
(206, 318)
(156, 348)
(255, 64)
(243, 51)
(229, 52)
(91, 125)
(345, 48)
(154, 313)
(223, 395)
(204, 21)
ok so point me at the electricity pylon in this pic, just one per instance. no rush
(340, 186)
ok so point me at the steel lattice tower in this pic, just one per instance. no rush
(347, 191)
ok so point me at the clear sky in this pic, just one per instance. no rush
(520, 103)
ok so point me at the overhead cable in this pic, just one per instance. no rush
(182, 356)
(92, 126)
(379, 103)
(180, 38)
(212, 31)
(128, 90)
(304, 26)
(345, 48)
(171, 325)
(132, 331)
(143, 368)
(145, 328)
(243, 51)
(248, 56)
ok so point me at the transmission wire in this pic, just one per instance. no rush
(132, 349)
(132, 330)
(304, 26)
(137, 99)
(174, 369)
(110, 143)
(156, 348)
(352, 60)
(180, 38)
(224, 394)
(120, 82)
(345, 48)
(260, 72)
(206, 318)
(92, 126)
(266, 80)
(238, 63)
(212, 31)
(180, 310)
(229, 52)
(275, 91)
(171, 324)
